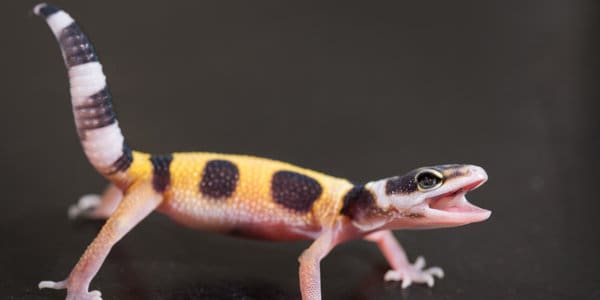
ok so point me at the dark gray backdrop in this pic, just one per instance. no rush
(358, 90)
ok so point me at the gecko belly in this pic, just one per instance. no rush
(240, 217)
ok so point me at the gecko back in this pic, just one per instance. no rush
(249, 196)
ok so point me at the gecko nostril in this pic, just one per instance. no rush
(477, 171)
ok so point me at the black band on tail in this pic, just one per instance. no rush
(45, 10)
(97, 113)
(124, 162)
(76, 46)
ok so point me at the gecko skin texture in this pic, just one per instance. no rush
(244, 195)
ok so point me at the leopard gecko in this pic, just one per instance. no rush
(244, 195)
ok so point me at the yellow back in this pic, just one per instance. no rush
(252, 202)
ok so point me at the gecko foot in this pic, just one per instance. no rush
(414, 273)
(82, 295)
(84, 206)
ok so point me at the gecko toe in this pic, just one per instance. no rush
(429, 280)
(435, 271)
(406, 282)
(392, 275)
(47, 284)
(85, 204)
(95, 295)
(419, 263)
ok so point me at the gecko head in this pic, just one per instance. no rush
(429, 197)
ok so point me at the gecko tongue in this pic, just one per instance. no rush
(456, 203)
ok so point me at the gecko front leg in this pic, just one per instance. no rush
(401, 268)
(310, 269)
(94, 206)
(140, 200)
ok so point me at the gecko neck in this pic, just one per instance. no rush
(360, 205)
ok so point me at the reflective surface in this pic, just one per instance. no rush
(354, 91)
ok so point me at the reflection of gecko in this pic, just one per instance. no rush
(245, 195)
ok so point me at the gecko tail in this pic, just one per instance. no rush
(95, 119)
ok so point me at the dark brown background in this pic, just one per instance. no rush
(358, 90)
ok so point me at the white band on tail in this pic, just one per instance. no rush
(103, 146)
(58, 21)
(86, 80)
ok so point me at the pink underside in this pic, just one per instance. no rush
(274, 232)
(238, 226)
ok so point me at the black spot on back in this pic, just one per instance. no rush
(161, 175)
(219, 179)
(357, 202)
(76, 47)
(124, 162)
(402, 184)
(294, 190)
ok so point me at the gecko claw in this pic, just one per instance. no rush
(414, 273)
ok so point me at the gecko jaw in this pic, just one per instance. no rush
(453, 206)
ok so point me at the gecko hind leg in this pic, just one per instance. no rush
(402, 269)
(140, 200)
(93, 206)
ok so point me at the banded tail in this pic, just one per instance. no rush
(95, 119)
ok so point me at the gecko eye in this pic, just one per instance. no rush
(429, 179)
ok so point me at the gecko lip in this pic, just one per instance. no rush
(455, 204)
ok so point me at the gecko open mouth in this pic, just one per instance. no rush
(455, 202)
